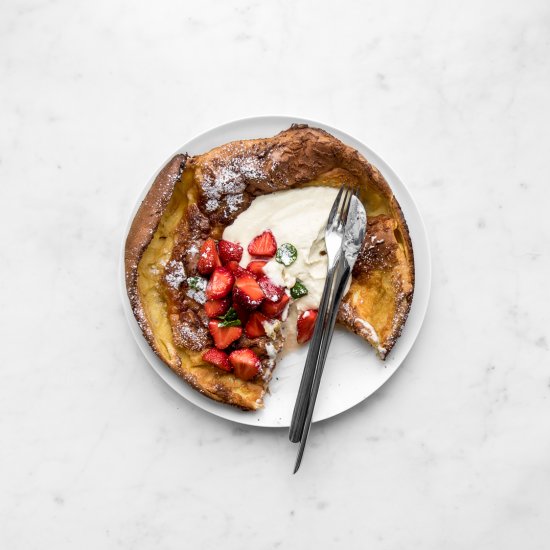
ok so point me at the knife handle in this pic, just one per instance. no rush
(323, 352)
(300, 408)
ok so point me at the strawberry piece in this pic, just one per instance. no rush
(230, 251)
(217, 308)
(256, 267)
(235, 268)
(220, 283)
(208, 258)
(263, 245)
(242, 313)
(305, 325)
(272, 309)
(218, 358)
(272, 291)
(245, 362)
(223, 336)
(247, 291)
(254, 328)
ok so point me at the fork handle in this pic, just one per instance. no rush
(320, 364)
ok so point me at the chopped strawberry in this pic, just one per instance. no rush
(305, 325)
(217, 308)
(256, 267)
(272, 291)
(218, 358)
(220, 283)
(254, 327)
(272, 309)
(263, 245)
(223, 336)
(242, 313)
(245, 362)
(235, 268)
(230, 251)
(247, 291)
(208, 258)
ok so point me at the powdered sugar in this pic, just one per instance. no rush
(226, 184)
(211, 205)
(233, 203)
(175, 274)
(193, 337)
(198, 295)
(251, 168)
(226, 181)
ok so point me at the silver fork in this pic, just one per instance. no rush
(334, 235)
(353, 240)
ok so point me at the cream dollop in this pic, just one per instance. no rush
(298, 217)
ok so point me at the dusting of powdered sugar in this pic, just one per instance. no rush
(211, 205)
(251, 168)
(195, 338)
(198, 295)
(233, 203)
(229, 181)
(175, 274)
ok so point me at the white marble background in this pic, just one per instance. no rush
(97, 452)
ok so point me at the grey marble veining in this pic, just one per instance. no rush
(97, 452)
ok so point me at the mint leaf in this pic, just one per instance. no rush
(230, 319)
(298, 290)
(286, 254)
(234, 323)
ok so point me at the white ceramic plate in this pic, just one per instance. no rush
(352, 372)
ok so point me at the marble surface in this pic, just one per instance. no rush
(97, 452)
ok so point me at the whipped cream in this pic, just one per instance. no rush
(298, 217)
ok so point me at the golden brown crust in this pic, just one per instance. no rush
(381, 289)
(209, 194)
(141, 232)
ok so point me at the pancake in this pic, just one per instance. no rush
(195, 198)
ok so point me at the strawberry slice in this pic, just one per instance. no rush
(242, 313)
(272, 291)
(305, 325)
(272, 309)
(230, 251)
(247, 291)
(245, 362)
(256, 267)
(218, 358)
(220, 283)
(223, 336)
(217, 308)
(254, 327)
(263, 245)
(235, 268)
(208, 258)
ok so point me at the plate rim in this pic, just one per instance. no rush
(232, 413)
